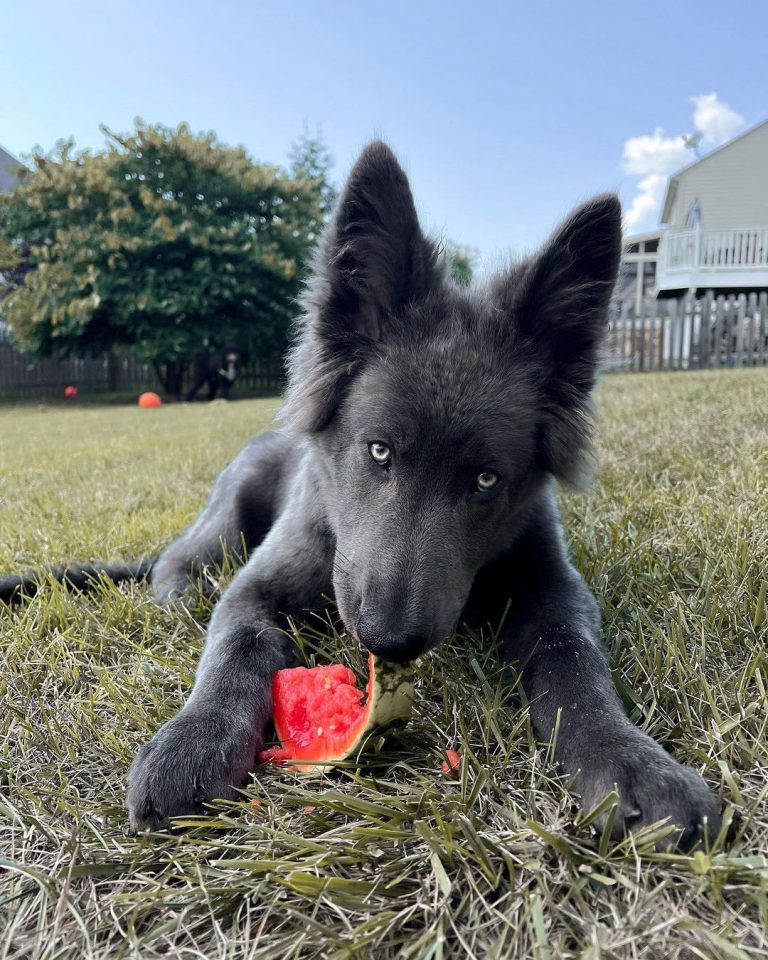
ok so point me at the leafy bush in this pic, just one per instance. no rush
(164, 242)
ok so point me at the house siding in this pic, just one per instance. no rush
(731, 186)
(8, 165)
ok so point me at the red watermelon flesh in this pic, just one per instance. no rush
(321, 716)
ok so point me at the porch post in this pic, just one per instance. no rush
(639, 284)
(696, 259)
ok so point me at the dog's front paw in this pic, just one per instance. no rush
(651, 787)
(193, 759)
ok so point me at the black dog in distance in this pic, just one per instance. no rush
(219, 371)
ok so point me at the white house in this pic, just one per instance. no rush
(714, 232)
(637, 276)
(8, 165)
(715, 219)
(8, 180)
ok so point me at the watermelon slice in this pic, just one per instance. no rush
(321, 717)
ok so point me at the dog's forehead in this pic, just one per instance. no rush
(447, 387)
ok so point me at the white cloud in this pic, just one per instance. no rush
(653, 154)
(654, 157)
(715, 120)
(647, 201)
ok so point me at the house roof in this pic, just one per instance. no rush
(642, 237)
(672, 183)
(8, 178)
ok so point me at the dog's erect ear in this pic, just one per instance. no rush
(559, 301)
(371, 261)
(376, 257)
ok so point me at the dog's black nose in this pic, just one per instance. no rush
(376, 636)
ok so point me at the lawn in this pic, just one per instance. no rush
(392, 859)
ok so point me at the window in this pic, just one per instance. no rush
(693, 220)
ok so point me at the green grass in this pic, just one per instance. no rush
(392, 859)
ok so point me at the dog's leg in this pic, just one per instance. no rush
(194, 388)
(242, 507)
(552, 632)
(210, 746)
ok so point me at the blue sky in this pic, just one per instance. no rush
(505, 114)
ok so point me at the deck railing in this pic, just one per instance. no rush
(683, 251)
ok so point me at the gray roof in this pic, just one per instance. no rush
(8, 178)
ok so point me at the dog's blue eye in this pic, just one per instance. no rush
(380, 453)
(486, 480)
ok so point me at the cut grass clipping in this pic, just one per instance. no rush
(387, 858)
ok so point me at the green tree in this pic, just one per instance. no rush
(310, 162)
(461, 261)
(161, 243)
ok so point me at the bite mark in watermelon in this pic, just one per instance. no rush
(321, 717)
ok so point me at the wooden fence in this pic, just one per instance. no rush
(686, 334)
(23, 377)
(713, 331)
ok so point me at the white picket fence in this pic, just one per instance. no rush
(682, 334)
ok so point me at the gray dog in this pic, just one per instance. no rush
(425, 426)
